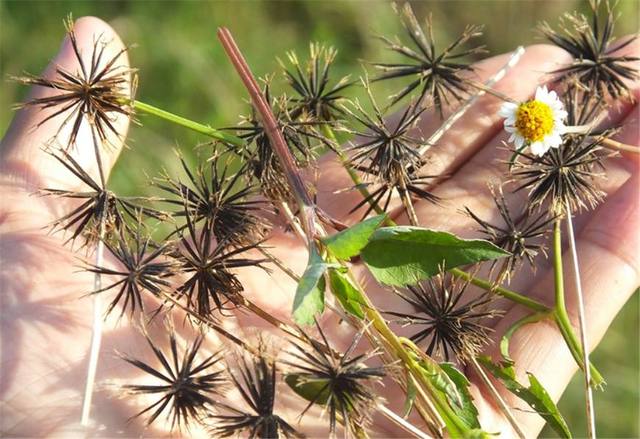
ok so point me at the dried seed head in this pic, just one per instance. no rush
(188, 387)
(300, 135)
(450, 322)
(436, 75)
(219, 199)
(315, 96)
(386, 149)
(387, 154)
(209, 283)
(520, 236)
(382, 193)
(340, 382)
(589, 42)
(255, 379)
(96, 203)
(565, 176)
(94, 94)
(143, 266)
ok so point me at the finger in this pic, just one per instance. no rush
(22, 159)
(470, 133)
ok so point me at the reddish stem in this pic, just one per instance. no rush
(272, 129)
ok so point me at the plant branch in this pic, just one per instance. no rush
(504, 408)
(278, 263)
(560, 311)
(523, 300)
(448, 123)
(408, 204)
(591, 416)
(142, 107)
(617, 146)
(272, 129)
(213, 325)
(96, 327)
(401, 422)
(355, 178)
(308, 215)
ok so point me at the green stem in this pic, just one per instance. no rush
(560, 313)
(504, 292)
(142, 107)
(527, 320)
(355, 178)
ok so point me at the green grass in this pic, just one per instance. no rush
(182, 68)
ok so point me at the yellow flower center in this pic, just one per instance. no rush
(534, 120)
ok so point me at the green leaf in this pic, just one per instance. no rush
(458, 421)
(535, 395)
(348, 243)
(465, 410)
(347, 294)
(412, 393)
(316, 391)
(309, 299)
(404, 255)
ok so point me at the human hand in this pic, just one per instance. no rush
(46, 322)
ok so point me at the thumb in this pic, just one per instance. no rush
(23, 161)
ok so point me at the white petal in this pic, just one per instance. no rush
(541, 93)
(538, 148)
(559, 128)
(519, 141)
(553, 140)
(507, 109)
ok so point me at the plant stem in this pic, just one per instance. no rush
(213, 325)
(448, 123)
(617, 146)
(591, 416)
(487, 89)
(496, 395)
(96, 328)
(560, 311)
(400, 422)
(506, 337)
(293, 221)
(355, 178)
(274, 321)
(187, 123)
(408, 203)
(530, 303)
(474, 363)
(278, 263)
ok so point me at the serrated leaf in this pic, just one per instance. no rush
(347, 294)
(404, 255)
(465, 410)
(346, 244)
(535, 395)
(309, 298)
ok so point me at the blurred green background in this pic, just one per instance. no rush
(182, 68)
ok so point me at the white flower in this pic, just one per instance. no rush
(538, 123)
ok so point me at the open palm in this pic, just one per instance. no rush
(46, 322)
